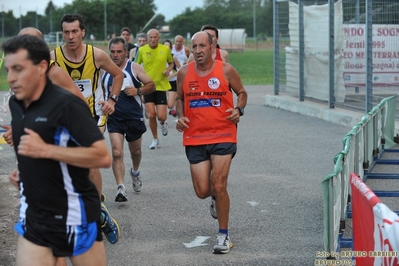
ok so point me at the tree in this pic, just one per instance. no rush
(222, 14)
(12, 24)
(190, 21)
(131, 14)
(50, 8)
(28, 19)
(135, 14)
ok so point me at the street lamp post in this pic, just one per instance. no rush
(254, 26)
(51, 19)
(105, 19)
(2, 21)
(20, 18)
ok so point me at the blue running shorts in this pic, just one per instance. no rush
(64, 240)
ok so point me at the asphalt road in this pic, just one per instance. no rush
(276, 215)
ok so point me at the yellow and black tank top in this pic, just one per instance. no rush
(85, 74)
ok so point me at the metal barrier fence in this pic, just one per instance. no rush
(361, 147)
(343, 53)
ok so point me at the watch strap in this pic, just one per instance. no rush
(240, 110)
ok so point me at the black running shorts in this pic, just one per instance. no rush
(197, 154)
(157, 97)
(173, 84)
(131, 129)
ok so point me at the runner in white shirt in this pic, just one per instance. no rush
(180, 51)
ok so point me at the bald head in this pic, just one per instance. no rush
(179, 37)
(31, 31)
(153, 38)
(203, 36)
(202, 48)
(179, 41)
(152, 32)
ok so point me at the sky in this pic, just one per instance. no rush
(168, 8)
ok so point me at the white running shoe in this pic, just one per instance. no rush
(137, 184)
(223, 244)
(154, 144)
(164, 128)
(121, 195)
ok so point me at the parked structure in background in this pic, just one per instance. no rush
(232, 40)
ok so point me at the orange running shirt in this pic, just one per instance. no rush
(206, 101)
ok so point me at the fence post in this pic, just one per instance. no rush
(276, 43)
(301, 51)
(369, 56)
(331, 58)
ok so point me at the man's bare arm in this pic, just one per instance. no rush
(190, 58)
(149, 85)
(225, 55)
(168, 69)
(182, 122)
(95, 156)
(187, 51)
(60, 78)
(176, 62)
(103, 61)
(181, 74)
(235, 83)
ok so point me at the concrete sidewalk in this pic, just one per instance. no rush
(344, 117)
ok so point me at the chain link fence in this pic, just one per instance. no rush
(342, 53)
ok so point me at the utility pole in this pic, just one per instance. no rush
(2, 21)
(20, 18)
(105, 19)
(254, 26)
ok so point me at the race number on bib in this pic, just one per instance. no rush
(85, 87)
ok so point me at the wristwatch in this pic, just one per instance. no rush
(114, 97)
(139, 92)
(241, 110)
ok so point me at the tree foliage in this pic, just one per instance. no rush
(135, 14)
(227, 14)
(223, 14)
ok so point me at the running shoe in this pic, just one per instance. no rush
(103, 197)
(172, 112)
(223, 244)
(212, 209)
(164, 128)
(121, 196)
(154, 144)
(137, 184)
(109, 226)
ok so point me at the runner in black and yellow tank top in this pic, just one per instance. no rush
(83, 62)
(85, 75)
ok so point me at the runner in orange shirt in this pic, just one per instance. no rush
(208, 120)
